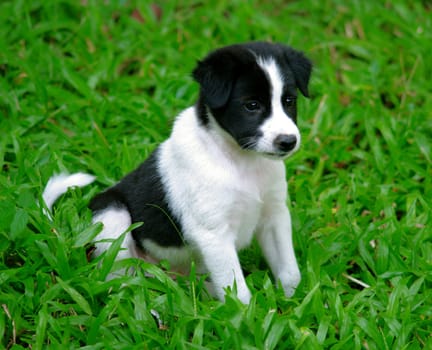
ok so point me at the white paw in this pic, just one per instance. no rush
(290, 281)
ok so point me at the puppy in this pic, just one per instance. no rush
(219, 178)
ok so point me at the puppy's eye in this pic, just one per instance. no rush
(252, 106)
(289, 101)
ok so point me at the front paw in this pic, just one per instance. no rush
(289, 282)
(244, 295)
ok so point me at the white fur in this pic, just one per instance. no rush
(115, 222)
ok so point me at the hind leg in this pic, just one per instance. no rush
(115, 220)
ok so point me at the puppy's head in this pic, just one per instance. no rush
(251, 90)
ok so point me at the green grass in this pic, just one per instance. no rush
(91, 87)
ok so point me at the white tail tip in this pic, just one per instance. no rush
(59, 184)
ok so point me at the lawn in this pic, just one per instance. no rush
(95, 85)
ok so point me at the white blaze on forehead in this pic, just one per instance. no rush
(278, 123)
(275, 79)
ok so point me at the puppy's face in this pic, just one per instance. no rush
(251, 92)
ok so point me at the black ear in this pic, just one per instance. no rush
(215, 82)
(301, 67)
(217, 73)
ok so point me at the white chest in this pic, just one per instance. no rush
(215, 187)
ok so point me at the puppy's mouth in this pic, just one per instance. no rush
(276, 155)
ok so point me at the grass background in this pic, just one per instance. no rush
(94, 86)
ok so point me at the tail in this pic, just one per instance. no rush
(59, 184)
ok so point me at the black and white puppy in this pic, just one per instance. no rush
(220, 177)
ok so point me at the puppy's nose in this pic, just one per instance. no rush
(285, 143)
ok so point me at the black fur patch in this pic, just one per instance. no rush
(144, 196)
